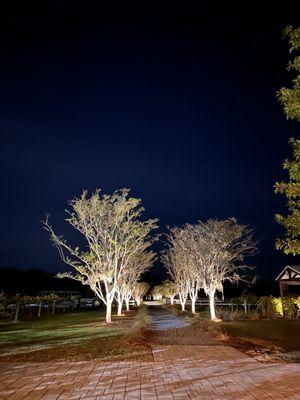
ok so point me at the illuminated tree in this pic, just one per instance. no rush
(157, 292)
(176, 260)
(205, 255)
(290, 100)
(139, 291)
(169, 290)
(114, 235)
(219, 249)
(181, 264)
(137, 265)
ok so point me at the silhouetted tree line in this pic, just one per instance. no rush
(31, 281)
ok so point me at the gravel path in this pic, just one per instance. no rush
(163, 319)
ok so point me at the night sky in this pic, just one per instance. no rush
(177, 103)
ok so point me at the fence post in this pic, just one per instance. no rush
(39, 309)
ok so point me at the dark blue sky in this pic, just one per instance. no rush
(177, 103)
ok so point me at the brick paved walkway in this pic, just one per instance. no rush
(178, 372)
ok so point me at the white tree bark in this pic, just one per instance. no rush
(120, 299)
(212, 310)
(193, 292)
(127, 299)
(193, 302)
(120, 305)
(182, 299)
(108, 311)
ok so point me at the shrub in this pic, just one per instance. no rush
(289, 308)
(228, 315)
(254, 315)
(296, 301)
(239, 315)
(270, 307)
(142, 319)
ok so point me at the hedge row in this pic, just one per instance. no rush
(273, 307)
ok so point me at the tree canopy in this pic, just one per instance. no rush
(115, 237)
(290, 100)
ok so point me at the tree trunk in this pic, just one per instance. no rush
(138, 301)
(172, 300)
(193, 306)
(212, 305)
(182, 299)
(193, 292)
(108, 311)
(182, 302)
(120, 304)
(120, 299)
(127, 304)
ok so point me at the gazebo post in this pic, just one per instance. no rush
(281, 289)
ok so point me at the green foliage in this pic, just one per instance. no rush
(270, 307)
(290, 97)
(288, 306)
(290, 100)
(296, 301)
(290, 244)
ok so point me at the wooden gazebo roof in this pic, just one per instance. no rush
(289, 273)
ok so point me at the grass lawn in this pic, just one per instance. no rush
(250, 336)
(78, 336)
(279, 332)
